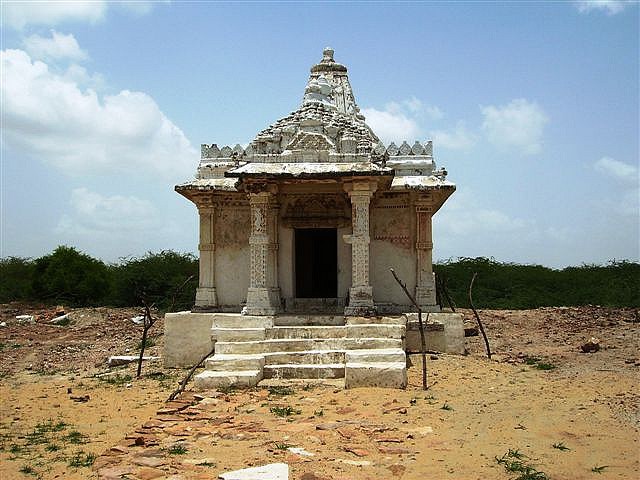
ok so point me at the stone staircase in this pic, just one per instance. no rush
(363, 351)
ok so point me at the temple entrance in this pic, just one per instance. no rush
(316, 262)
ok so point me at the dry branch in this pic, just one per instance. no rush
(423, 342)
(484, 335)
(185, 380)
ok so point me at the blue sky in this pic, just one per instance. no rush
(532, 108)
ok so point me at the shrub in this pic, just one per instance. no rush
(15, 278)
(70, 277)
(156, 277)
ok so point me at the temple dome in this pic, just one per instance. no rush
(328, 120)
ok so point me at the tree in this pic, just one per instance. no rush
(69, 276)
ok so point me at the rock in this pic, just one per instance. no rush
(593, 345)
(145, 461)
(393, 450)
(327, 426)
(147, 473)
(312, 476)
(60, 319)
(3, 324)
(358, 452)
(471, 331)
(25, 318)
(345, 410)
(139, 320)
(272, 471)
(397, 470)
(356, 463)
(117, 360)
(300, 451)
(114, 473)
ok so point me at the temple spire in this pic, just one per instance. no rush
(329, 84)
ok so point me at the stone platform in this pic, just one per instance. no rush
(365, 351)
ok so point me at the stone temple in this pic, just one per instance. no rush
(297, 234)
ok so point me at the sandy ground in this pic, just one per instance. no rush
(56, 414)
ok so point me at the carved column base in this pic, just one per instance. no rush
(262, 301)
(426, 294)
(360, 302)
(206, 297)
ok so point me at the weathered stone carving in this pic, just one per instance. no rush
(263, 295)
(360, 293)
(206, 297)
(425, 285)
(315, 211)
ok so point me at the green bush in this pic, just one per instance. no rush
(513, 286)
(15, 278)
(70, 277)
(157, 277)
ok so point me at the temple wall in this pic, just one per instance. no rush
(392, 246)
(232, 256)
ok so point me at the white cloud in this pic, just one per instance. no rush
(617, 169)
(626, 200)
(93, 214)
(464, 215)
(400, 121)
(391, 126)
(18, 14)
(518, 125)
(458, 138)
(52, 117)
(57, 47)
(610, 7)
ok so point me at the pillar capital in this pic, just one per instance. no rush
(362, 188)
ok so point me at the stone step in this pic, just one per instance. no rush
(308, 320)
(348, 331)
(299, 345)
(375, 374)
(315, 357)
(380, 355)
(230, 378)
(395, 320)
(327, 370)
(234, 334)
(221, 362)
(237, 320)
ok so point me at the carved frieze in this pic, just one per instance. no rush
(232, 226)
(315, 211)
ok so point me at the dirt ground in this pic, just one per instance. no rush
(539, 405)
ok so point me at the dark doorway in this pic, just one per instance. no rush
(316, 262)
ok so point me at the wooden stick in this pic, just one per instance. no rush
(484, 335)
(423, 342)
(185, 380)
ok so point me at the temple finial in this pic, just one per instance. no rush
(327, 55)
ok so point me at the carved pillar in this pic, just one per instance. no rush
(206, 297)
(263, 295)
(425, 281)
(360, 293)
